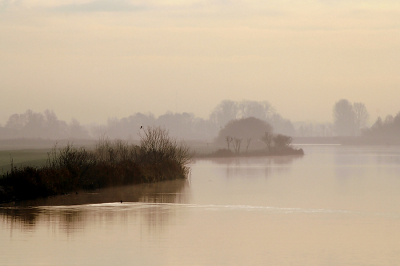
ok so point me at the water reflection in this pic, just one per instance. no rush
(305, 213)
(356, 162)
(74, 211)
(255, 166)
(278, 160)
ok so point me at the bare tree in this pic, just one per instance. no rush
(156, 146)
(236, 144)
(267, 138)
(77, 130)
(228, 141)
(361, 115)
(248, 143)
(344, 118)
(224, 112)
(260, 110)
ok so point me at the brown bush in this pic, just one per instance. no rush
(111, 163)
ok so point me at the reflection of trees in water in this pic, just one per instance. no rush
(360, 161)
(157, 215)
(357, 168)
(253, 166)
(25, 215)
(165, 192)
(27, 218)
(278, 160)
(75, 211)
(347, 165)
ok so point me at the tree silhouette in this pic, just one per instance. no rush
(389, 128)
(260, 110)
(224, 112)
(361, 115)
(344, 118)
(281, 141)
(244, 128)
(268, 139)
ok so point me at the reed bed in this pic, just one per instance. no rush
(110, 163)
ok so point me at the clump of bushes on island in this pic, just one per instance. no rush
(111, 163)
(275, 145)
(253, 136)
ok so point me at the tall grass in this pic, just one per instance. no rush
(111, 163)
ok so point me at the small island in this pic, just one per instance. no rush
(247, 137)
(110, 163)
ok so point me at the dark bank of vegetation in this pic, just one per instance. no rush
(350, 125)
(110, 163)
(251, 137)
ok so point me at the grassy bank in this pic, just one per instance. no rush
(110, 163)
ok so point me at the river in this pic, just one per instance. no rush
(336, 205)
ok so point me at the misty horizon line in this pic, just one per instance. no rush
(349, 119)
(169, 112)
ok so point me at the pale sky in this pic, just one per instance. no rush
(92, 60)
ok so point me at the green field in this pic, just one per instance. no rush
(32, 157)
(32, 152)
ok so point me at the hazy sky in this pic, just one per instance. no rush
(111, 58)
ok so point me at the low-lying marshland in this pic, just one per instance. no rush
(110, 163)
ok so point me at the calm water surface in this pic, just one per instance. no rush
(334, 206)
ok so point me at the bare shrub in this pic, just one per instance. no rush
(111, 163)
(236, 144)
(156, 146)
(268, 139)
(114, 151)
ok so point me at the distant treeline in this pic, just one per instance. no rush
(180, 125)
(388, 128)
(349, 119)
(41, 125)
(188, 126)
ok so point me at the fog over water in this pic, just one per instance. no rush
(237, 82)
